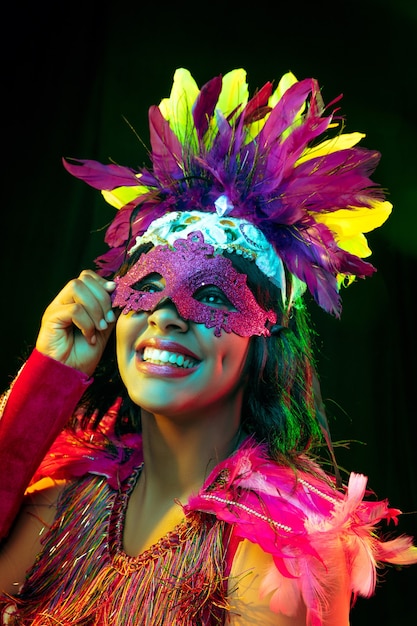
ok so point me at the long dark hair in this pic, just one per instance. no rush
(279, 402)
(278, 406)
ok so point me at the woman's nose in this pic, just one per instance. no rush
(166, 317)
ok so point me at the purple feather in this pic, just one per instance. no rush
(204, 105)
(99, 176)
(283, 114)
(109, 262)
(166, 148)
(257, 107)
(319, 262)
(300, 138)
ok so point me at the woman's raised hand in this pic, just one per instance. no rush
(77, 324)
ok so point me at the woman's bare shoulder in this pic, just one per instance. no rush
(250, 606)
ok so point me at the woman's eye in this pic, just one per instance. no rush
(148, 285)
(213, 296)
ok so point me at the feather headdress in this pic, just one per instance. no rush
(273, 160)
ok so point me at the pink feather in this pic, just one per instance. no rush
(166, 149)
(101, 176)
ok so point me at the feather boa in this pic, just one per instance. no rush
(80, 452)
(300, 518)
(306, 524)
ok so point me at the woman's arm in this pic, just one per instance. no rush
(247, 606)
(24, 543)
(42, 399)
(74, 331)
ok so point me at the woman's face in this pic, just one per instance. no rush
(174, 366)
(184, 333)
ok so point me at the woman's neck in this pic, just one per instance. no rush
(177, 460)
(179, 455)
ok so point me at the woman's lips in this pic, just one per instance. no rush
(165, 358)
(166, 371)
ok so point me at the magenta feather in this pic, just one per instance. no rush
(100, 452)
(283, 114)
(166, 149)
(257, 107)
(101, 176)
(205, 104)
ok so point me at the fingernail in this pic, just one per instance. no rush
(102, 324)
(93, 339)
(110, 284)
(110, 316)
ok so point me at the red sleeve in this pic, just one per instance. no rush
(42, 399)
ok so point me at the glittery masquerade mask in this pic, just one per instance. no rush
(193, 274)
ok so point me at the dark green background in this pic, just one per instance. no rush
(71, 72)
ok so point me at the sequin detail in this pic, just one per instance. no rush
(249, 510)
(187, 266)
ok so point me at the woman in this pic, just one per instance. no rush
(180, 485)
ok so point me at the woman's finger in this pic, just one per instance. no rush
(101, 288)
(93, 295)
(76, 325)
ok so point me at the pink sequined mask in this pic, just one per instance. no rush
(186, 268)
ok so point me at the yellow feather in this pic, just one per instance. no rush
(121, 196)
(357, 245)
(286, 81)
(340, 142)
(234, 93)
(177, 108)
(348, 225)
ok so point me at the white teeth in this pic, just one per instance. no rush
(154, 355)
(164, 356)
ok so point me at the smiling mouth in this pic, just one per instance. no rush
(164, 357)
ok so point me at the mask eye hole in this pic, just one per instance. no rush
(213, 296)
(151, 283)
